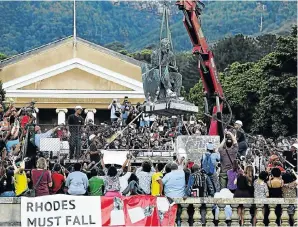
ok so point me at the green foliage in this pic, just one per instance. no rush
(242, 49)
(2, 56)
(228, 18)
(263, 94)
(196, 95)
(25, 25)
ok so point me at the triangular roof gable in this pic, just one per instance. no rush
(69, 65)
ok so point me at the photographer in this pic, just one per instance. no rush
(125, 110)
(228, 153)
(115, 113)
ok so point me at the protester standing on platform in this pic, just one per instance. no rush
(74, 123)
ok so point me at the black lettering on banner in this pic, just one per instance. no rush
(83, 221)
(76, 220)
(31, 222)
(38, 206)
(64, 204)
(48, 206)
(90, 220)
(30, 207)
(67, 219)
(41, 223)
(56, 205)
(57, 219)
(72, 203)
(50, 221)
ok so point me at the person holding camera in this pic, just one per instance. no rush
(228, 153)
(115, 113)
(125, 111)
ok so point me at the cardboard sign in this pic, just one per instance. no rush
(193, 147)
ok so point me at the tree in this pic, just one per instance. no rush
(242, 49)
(2, 56)
(263, 93)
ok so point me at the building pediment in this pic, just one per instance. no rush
(75, 63)
(64, 72)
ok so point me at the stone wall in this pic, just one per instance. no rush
(10, 210)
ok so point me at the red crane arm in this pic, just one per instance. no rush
(212, 88)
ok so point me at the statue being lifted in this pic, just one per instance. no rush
(163, 81)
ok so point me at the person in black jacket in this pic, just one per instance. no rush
(74, 123)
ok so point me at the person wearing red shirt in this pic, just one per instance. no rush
(58, 178)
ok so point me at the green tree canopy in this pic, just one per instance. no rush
(2, 56)
(263, 94)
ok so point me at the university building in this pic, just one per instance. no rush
(71, 72)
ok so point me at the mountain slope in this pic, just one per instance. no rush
(27, 25)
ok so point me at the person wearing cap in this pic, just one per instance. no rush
(211, 180)
(74, 123)
(291, 156)
(241, 139)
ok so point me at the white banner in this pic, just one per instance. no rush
(114, 157)
(61, 210)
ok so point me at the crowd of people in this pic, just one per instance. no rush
(239, 167)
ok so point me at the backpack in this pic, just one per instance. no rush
(208, 165)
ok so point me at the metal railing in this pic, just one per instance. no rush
(75, 141)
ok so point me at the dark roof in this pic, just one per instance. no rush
(37, 50)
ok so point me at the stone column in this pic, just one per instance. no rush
(184, 215)
(35, 112)
(197, 215)
(61, 115)
(260, 215)
(235, 217)
(284, 216)
(89, 114)
(209, 215)
(247, 216)
(221, 215)
(272, 216)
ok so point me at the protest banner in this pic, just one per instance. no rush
(66, 210)
(61, 210)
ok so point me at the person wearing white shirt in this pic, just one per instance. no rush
(114, 107)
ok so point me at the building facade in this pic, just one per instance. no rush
(70, 72)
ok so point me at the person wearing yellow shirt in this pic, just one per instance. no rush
(156, 183)
(20, 178)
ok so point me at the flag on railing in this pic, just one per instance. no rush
(66, 210)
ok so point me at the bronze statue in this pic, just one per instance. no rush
(163, 81)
